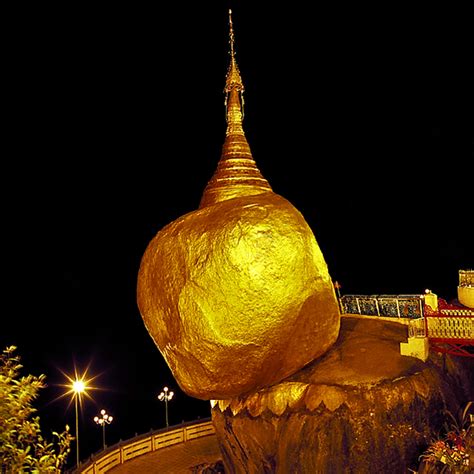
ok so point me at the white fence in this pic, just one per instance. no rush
(128, 450)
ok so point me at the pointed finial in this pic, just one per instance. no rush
(231, 34)
(233, 79)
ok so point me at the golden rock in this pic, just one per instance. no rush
(237, 295)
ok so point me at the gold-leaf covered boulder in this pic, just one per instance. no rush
(237, 295)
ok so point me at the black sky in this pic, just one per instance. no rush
(115, 121)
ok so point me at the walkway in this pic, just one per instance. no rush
(178, 459)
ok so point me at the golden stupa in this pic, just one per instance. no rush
(237, 295)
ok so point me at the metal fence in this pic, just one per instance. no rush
(389, 306)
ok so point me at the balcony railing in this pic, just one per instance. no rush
(143, 444)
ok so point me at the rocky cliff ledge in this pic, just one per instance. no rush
(361, 408)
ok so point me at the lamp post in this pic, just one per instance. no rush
(103, 420)
(165, 396)
(78, 387)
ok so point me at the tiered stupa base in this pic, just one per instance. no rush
(362, 408)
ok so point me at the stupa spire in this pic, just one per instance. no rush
(233, 79)
(236, 174)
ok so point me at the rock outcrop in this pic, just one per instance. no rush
(361, 408)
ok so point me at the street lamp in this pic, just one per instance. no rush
(165, 396)
(78, 387)
(102, 421)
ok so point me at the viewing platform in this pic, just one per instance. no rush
(432, 322)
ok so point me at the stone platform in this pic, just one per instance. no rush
(361, 408)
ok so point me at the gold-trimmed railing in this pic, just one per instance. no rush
(446, 327)
(137, 446)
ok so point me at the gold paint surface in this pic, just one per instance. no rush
(237, 296)
(237, 173)
(349, 372)
(466, 296)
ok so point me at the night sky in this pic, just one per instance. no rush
(115, 124)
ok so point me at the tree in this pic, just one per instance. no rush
(22, 446)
